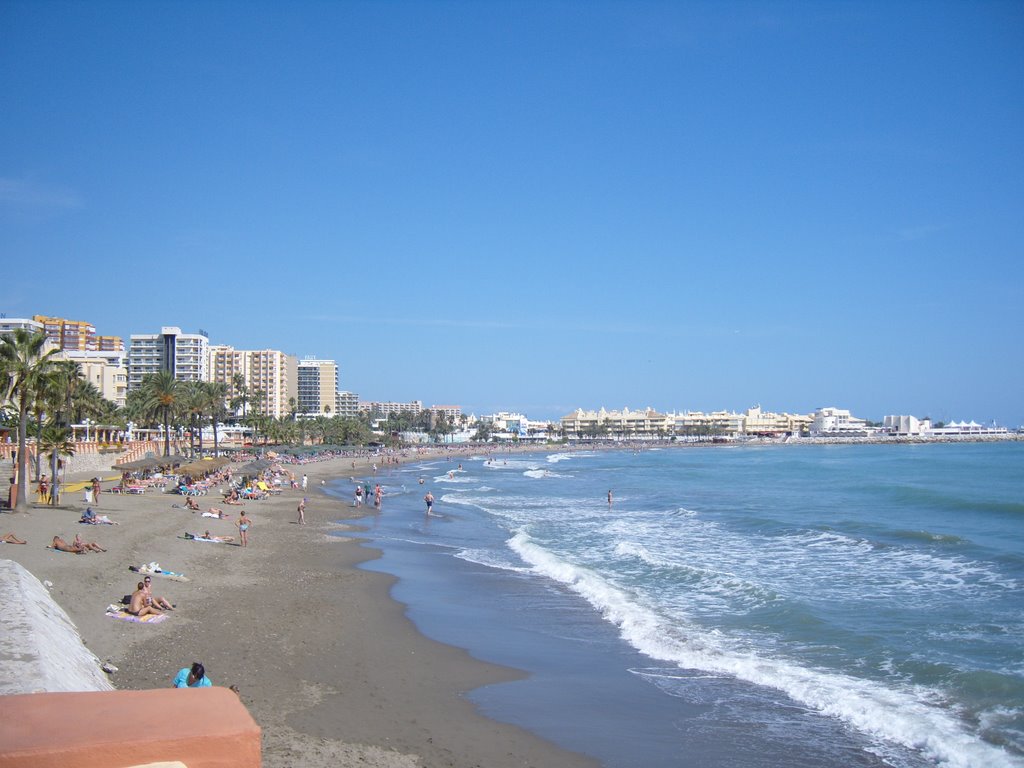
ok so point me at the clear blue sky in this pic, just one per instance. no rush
(537, 206)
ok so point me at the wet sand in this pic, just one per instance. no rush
(327, 663)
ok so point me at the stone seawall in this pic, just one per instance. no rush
(40, 648)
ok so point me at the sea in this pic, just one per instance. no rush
(770, 605)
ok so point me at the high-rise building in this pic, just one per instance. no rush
(186, 355)
(318, 387)
(267, 373)
(347, 405)
(77, 335)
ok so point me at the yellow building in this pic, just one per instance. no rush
(616, 424)
(77, 335)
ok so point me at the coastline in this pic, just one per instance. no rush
(326, 661)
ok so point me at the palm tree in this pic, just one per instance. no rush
(241, 396)
(56, 441)
(23, 363)
(216, 395)
(48, 401)
(194, 403)
(161, 394)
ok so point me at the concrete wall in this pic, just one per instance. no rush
(200, 727)
(57, 708)
(40, 649)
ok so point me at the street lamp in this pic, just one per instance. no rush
(87, 422)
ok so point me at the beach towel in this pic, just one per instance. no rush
(123, 615)
(62, 551)
(190, 537)
(173, 576)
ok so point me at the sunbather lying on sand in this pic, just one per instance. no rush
(88, 546)
(63, 546)
(10, 538)
(215, 512)
(209, 537)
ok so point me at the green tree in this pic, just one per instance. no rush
(23, 364)
(162, 395)
(55, 441)
(216, 396)
(240, 398)
(483, 431)
(194, 402)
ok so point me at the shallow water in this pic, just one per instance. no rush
(797, 605)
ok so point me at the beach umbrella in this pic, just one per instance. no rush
(254, 467)
(172, 460)
(131, 466)
(196, 468)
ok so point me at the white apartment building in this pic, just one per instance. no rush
(625, 423)
(838, 422)
(317, 387)
(385, 409)
(11, 324)
(700, 424)
(905, 425)
(346, 404)
(268, 371)
(768, 424)
(185, 355)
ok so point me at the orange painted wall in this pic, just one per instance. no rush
(201, 727)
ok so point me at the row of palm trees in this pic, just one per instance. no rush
(46, 395)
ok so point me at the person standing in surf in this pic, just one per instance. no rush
(429, 498)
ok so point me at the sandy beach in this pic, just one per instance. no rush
(327, 663)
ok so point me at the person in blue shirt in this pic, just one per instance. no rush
(192, 678)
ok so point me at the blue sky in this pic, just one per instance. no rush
(537, 206)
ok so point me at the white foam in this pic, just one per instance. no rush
(899, 716)
(542, 473)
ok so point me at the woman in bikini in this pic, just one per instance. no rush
(243, 528)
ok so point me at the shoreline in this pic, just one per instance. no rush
(327, 662)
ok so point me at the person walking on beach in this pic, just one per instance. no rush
(429, 498)
(302, 511)
(609, 499)
(305, 481)
(96, 491)
(243, 524)
(44, 491)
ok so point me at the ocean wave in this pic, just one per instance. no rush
(554, 458)
(904, 716)
(539, 473)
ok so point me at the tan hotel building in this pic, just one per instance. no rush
(269, 371)
(651, 423)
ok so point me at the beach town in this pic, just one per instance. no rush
(203, 524)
